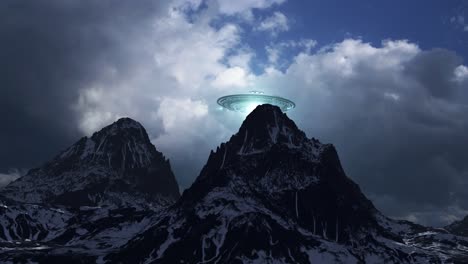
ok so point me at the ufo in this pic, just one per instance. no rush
(245, 103)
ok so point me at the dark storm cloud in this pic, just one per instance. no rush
(48, 51)
(434, 71)
(415, 156)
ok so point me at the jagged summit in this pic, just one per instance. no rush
(267, 115)
(126, 121)
(267, 140)
(459, 227)
(265, 126)
(122, 124)
(123, 144)
(115, 162)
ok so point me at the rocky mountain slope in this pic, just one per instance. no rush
(459, 227)
(117, 165)
(90, 199)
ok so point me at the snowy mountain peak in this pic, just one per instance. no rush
(119, 159)
(271, 157)
(122, 124)
(266, 136)
(124, 144)
(264, 127)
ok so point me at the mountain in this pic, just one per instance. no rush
(117, 165)
(90, 199)
(459, 227)
(268, 195)
(272, 195)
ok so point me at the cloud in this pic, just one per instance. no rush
(460, 22)
(434, 70)
(280, 53)
(10, 176)
(51, 50)
(168, 68)
(231, 77)
(190, 66)
(461, 73)
(423, 214)
(274, 24)
(242, 59)
(180, 111)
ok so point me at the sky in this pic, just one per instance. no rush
(385, 81)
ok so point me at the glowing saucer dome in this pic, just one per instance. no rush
(245, 103)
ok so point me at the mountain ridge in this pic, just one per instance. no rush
(118, 159)
(269, 194)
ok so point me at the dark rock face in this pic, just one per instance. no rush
(271, 195)
(270, 159)
(459, 227)
(117, 165)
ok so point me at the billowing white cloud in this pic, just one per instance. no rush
(174, 57)
(461, 73)
(191, 52)
(231, 77)
(241, 59)
(179, 115)
(274, 24)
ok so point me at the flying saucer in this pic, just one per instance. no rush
(245, 103)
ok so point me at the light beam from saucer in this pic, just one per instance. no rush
(245, 103)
